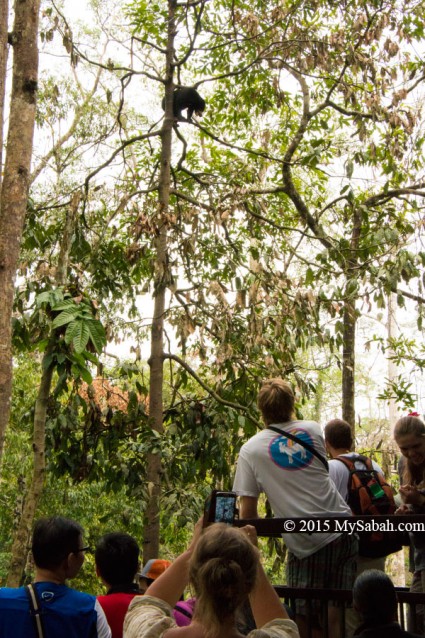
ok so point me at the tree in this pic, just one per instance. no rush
(246, 239)
(3, 68)
(15, 183)
(67, 353)
(256, 232)
(327, 95)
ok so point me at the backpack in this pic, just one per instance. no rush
(370, 494)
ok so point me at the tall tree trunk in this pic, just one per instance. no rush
(22, 534)
(14, 193)
(4, 10)
(162, 279)
(349, 323)
(348, 363)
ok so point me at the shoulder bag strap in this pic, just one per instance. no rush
(347, 461)
(350, 461)
(35, 608)
(183, 611)
(305, 445)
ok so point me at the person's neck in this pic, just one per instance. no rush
(283, 421)
(337, 452)
(48, 576)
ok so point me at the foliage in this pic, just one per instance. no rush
(294, 207)
(74, 325)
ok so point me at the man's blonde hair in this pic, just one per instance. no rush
(276, 401)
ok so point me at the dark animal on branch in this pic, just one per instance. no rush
(186, 98)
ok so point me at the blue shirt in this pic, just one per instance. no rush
(66, 613)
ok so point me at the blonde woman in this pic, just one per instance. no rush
(224, 568)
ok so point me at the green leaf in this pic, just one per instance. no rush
(86, 375)
(309, 277)
(81, 336)
(44, 297)
(42, 345)
(97, 334)
(89, 356)
(68, 303)
(47, 361)
(65, 317)
(72, 331)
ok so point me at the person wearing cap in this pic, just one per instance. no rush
(117, 563)
(150, 572)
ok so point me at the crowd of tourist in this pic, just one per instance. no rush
(231, 595)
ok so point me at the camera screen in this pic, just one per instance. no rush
(224, 509)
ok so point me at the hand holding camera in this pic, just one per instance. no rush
(220, 507)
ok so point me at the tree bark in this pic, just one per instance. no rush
(162, 279)
(4, 10)
(14, 193)
(350, 322)
(348, 364)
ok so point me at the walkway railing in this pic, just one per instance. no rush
(407, 605)
(408, 602)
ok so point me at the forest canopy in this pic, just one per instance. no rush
(154, 272)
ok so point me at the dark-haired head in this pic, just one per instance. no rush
(338, 434)
(374, 597)
(223, 570)
(54, 539)
(117, 558)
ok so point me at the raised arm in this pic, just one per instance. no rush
(170, 585)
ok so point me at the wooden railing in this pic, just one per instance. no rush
(407, 601)
(407, 604)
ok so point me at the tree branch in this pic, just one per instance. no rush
(214, 395)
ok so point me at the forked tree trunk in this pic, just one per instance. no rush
(156, 360)
(22, 533)
(14, 193)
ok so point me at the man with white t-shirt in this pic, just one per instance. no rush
(339, 441)
(297, 485)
